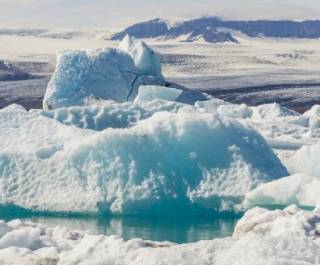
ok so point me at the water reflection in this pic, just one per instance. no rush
(174, 229)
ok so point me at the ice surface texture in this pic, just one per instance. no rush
(171, 163)
(261, 237)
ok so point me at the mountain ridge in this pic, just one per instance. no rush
(208, 29)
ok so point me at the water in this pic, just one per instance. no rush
(174, 229)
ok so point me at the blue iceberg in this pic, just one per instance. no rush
(179, 162)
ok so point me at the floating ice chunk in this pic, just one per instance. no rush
(278, 223)
(222, 107)
(210, 106)
(305, 160)
(145, 59)
(313, 112)
(81, 75)
(314, 118)
(21, 238)
(235, 111)
(85, 75)
(13, 108)
(271, 111)
(297, 189)
(149, 93)
(158, 166)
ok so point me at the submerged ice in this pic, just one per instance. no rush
(177, 162)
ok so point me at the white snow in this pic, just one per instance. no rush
(261, 237)
(145, 59)
(158, 165)
(149, 93)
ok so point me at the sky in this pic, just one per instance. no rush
(121, 13)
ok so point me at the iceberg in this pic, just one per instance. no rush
(149, 93)
(176, 162)
(299, 189)
(289, 236)
(83, 77)
(305, 160)
(145, 59)
(88, 75)
(96, 74)
(271, 111)
(314, 119)
(313, 112)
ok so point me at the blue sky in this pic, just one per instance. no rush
(118, 13)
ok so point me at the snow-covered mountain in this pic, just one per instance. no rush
(185, 32)
(9, 72)
(207, 28)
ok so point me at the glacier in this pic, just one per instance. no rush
(159, 165)
(289, 236)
